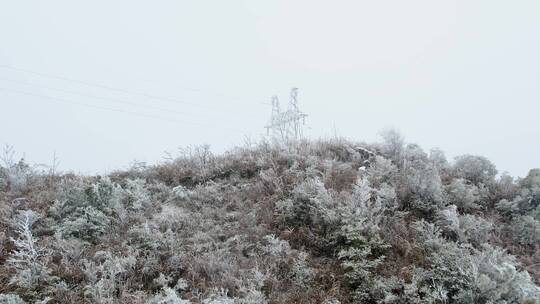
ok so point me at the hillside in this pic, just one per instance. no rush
(329, 221)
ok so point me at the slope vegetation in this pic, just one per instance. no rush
(312, 222)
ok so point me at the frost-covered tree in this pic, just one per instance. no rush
(29, 259)
(15, 176)
(532, 180)
(382, 171)
(476, 169)
(420, 186)
(363, 247)
(393, 146)
(438, 159)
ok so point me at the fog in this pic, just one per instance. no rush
(104, 83)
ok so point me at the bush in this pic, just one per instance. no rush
(465, 196)
(86, 211)
(474, 229)
(167, 296)
(29, 259)
(476, 169)
(526, 230)
(11, 299)
(496, 279)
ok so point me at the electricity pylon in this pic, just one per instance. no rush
(288, 125)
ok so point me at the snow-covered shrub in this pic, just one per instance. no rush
(526, 203)
(526, 230)
(449, 264)
(360, 255)
(438, 159)
(476, 169)
(105, 274)
(465, 196)
(311, 205)
(29, 259)
(393, 146)
(505, 187)
(420, 186)
(253, 297)
(15, 176)
(532, 180)
(167, 296)
(448, 220)
(363, 247)
(494, 278)
(134, 195)
(276, 247)
(86, 211)
(474, 229)
(467, 275)
(180, 192)
(218, 296)
(427, 234)
(381, 171)
(302, 273)
(11, 299)
(339, 176)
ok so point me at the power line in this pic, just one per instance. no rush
(126, 91)
(116, 110)
(87, 83)
(97, 97)
(236, 99)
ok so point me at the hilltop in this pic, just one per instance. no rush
(327, 221)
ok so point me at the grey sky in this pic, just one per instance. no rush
(460, 75)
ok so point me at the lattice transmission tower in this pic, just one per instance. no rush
(288, 125)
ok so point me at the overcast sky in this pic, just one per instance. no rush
(463, 76)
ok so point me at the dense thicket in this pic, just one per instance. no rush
(311, 222)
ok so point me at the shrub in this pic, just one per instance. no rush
(476, 169)
(474, 229)
(526, 230)
(29, 259)
(382, 171)
(465, 196)
(526, 203)
(15, 176)
(311, 205)
(363, 247)
(86, 211)
(11, 299)
(448, 220)
(532, 180)
(494, 278)
(167, 296)
(134, 195)
(105, 275)
(302, 274)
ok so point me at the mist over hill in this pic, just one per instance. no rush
(314, 221)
